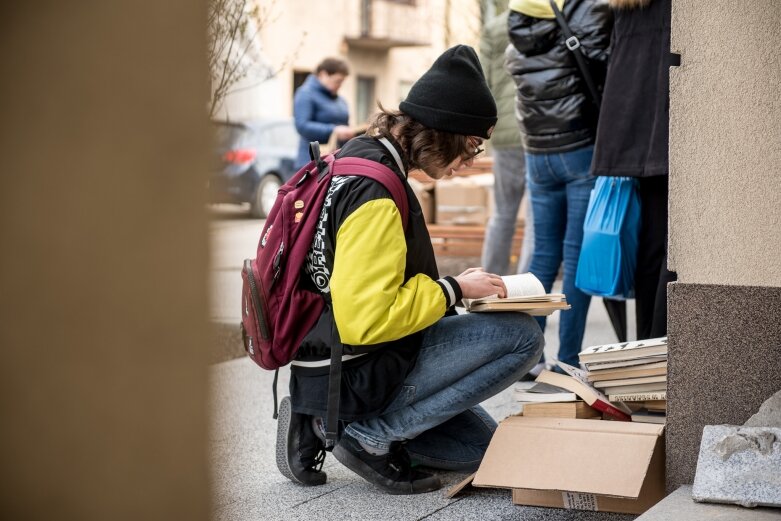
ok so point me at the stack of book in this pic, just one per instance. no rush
(524, 294)
(575, 382)
(545, 400)
(631, 372)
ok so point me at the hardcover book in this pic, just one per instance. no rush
(624, 350)
(578, 409)
(652, 369)
(541, 392)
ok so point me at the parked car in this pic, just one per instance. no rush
(253, 160)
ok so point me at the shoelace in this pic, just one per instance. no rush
(317, 465)
(399, 459)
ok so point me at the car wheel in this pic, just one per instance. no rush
(265, 195)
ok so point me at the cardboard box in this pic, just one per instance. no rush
(486, 182)
(425, 194)
(460, 201)
(607, 466)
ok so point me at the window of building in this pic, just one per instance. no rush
(365, 99)
(298, 79)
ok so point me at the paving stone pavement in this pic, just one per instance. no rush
(245, 481)
(247, 484)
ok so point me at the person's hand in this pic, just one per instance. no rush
(477, 283)
(343, 132)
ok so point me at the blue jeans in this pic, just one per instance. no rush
(463, 360)
(560, 186)
(509, 184)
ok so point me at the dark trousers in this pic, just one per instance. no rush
(652, 275)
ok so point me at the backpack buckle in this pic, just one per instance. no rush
(572, 43)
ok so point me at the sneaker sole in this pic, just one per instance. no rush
(353, 463)
(283, 427)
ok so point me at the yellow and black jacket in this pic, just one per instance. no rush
(381, 287)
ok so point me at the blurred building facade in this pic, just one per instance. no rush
(387, 43)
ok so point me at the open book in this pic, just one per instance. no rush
(524, 293)
(575, 381)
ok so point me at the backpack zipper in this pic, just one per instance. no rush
(277, 261)
(255, 300)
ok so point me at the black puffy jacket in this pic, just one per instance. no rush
(554, 108)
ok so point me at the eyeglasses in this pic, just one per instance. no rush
(474, 142)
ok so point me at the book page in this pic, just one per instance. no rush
(523, 285)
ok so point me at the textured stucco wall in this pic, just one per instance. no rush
(104, 151)
(725, 143)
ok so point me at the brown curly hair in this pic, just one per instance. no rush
(423, 147)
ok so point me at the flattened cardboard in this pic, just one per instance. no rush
(458, 487)
(556, 455)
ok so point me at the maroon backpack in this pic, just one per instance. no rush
(277, 313)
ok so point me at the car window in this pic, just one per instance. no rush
(229, 136)
(283, 135)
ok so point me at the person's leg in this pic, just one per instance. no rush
(651, 252)
(509, 182)
(457, 444)
(576, 166)
(464, 360)
(549, 205)
(527, 247)
(659, 325)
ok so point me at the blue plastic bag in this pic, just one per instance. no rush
(608, 256)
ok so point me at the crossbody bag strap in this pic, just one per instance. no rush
(573, 44)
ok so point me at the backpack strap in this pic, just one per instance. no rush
(355, 166)
(334, 396)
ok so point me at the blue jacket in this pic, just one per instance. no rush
(317, 111)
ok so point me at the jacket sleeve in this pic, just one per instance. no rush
(371, 301)
(303, 111)
(594, 29)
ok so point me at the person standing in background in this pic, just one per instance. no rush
(558, 125)
(509, 169)
(318, 110)
(632, 140)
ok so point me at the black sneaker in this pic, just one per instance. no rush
(391, 472)
(300, 453)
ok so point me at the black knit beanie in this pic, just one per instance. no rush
(453, 96)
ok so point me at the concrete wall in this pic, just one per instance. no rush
(103, 252)
(725, 215)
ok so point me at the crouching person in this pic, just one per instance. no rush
(413, 372)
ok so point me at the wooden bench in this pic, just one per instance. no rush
(466, 241)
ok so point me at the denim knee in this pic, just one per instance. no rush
(535, 338)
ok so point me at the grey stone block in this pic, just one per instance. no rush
(679, 506)
(768, 415)
(740, 465)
